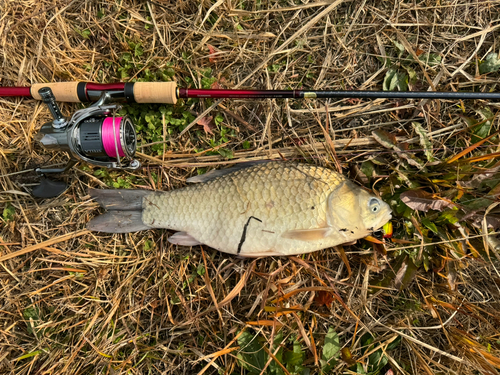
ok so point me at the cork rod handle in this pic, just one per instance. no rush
(63, 91)
(155, 92)
(141, 92)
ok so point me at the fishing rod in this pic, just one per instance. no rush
(98, 137)
(169, 93)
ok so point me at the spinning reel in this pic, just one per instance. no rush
(93, 135)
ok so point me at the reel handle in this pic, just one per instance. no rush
(49, 99)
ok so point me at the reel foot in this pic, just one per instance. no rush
(49, 188)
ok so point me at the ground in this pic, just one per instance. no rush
(425, 301)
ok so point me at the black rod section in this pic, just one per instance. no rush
(400, 94)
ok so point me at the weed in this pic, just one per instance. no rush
(8, 212)
(115, 179)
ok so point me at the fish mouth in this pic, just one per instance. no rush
(382, 221)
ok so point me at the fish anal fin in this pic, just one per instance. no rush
(183, 239)
(314, 234)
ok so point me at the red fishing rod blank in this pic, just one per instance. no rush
(168, 92)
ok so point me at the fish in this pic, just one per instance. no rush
(273, 208)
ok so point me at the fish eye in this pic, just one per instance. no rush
(374, 205)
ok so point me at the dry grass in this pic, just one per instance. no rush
(78, 302)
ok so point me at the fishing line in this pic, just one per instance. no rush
(438, 243)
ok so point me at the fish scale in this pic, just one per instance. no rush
(273, 208)
(215, 213)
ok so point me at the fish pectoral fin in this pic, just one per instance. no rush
(184, 239)
(308, 234)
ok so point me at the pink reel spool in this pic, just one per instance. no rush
(116, 139)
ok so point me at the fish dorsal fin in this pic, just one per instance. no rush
(215, 173)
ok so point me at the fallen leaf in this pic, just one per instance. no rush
(212, 56)
(398, 280)
(207, 123)
(420, 200)
(347, 356)
(373, 240)
(492, 222)
(452, 275)
(405, 274)
(343, 256)
(476, 181)
(386, 139)
(389, 141)
(215, 86)
(324, 298)
(424, 140)
(354, 101)
(380, 249)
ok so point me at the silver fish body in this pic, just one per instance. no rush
(268, 209)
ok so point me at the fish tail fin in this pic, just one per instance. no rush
(124, 208)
